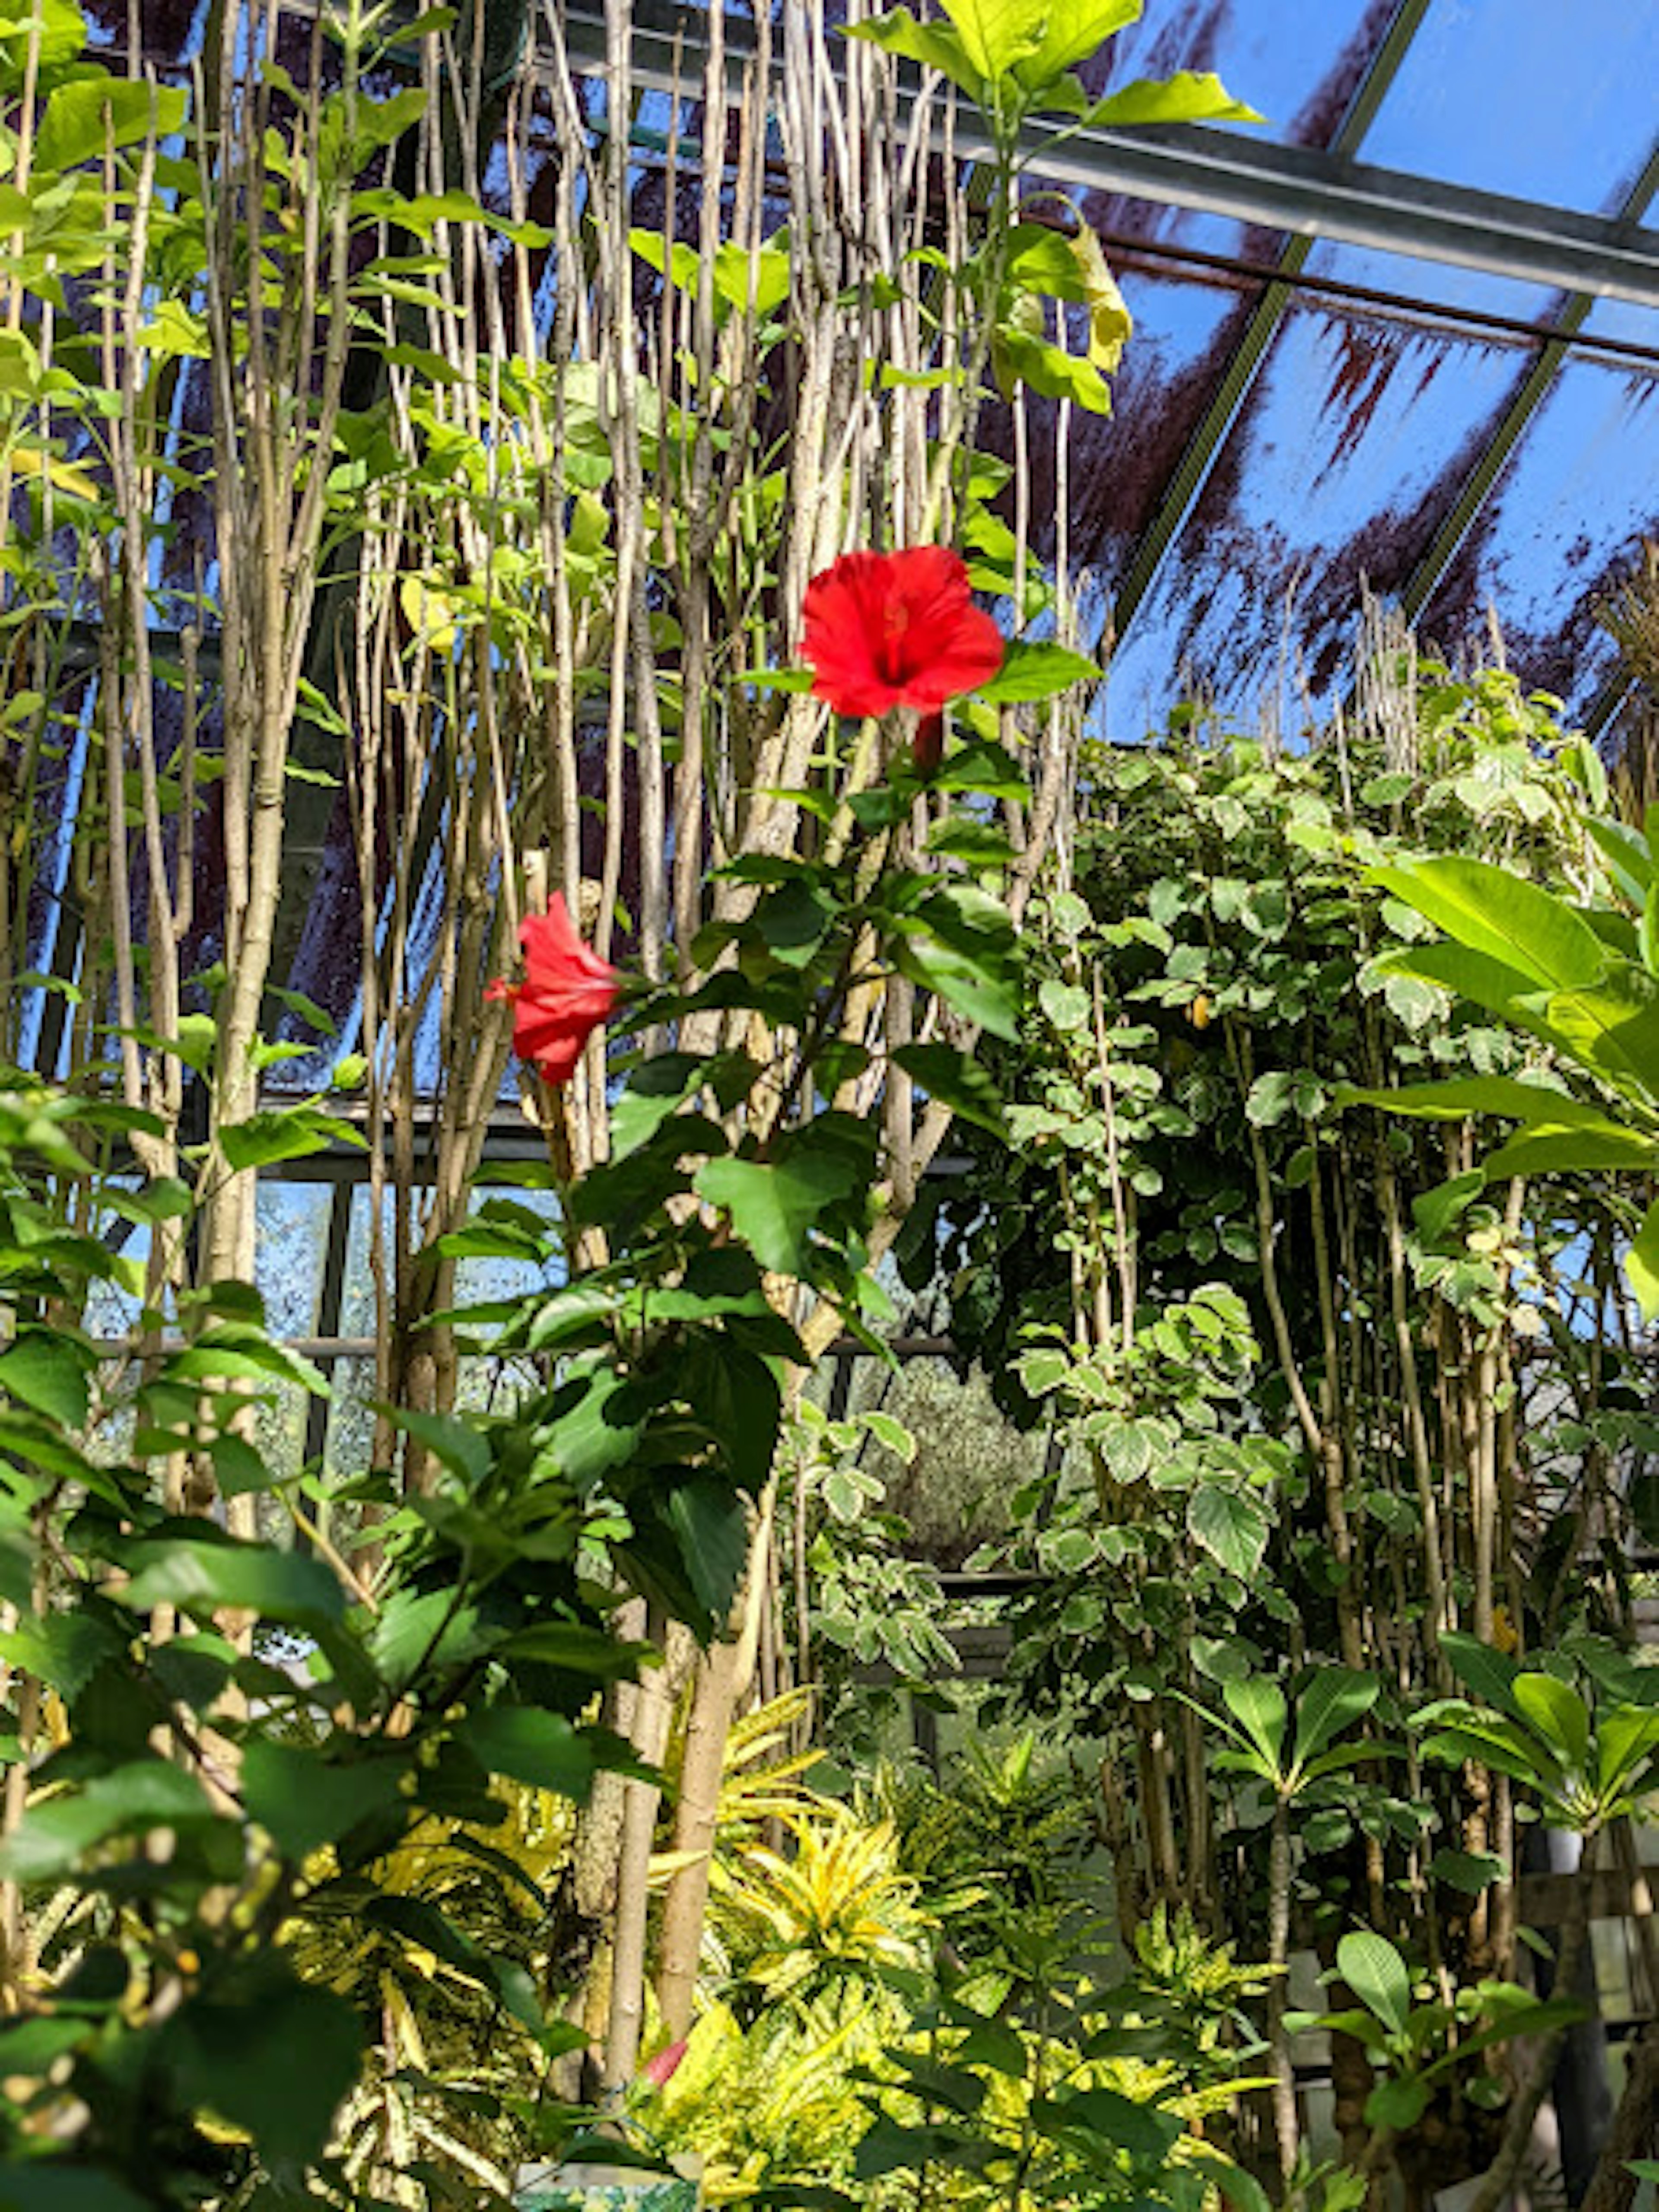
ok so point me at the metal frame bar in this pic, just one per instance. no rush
(1193, 469)
(1301, 190)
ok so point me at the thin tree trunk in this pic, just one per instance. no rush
(1530, 2093)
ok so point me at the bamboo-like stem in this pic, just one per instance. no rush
(1530, 2093)
(649, 1736)
(1286, 2126)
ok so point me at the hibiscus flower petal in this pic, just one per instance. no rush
(897, 629)
(567, 990)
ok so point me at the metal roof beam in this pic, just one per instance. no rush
(1301, 190)
(1199, 458)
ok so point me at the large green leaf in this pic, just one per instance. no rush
(540, 1749)
(305, 1799)
(1466, 1095)
(1463, 1734)
(1333, 1698)
(1628, 859)
(48, 1372)
(272, 2054)
(1232, 1526)
(1624, 1738)
(1558, 1714)
(1502, 989)
(1072, 30)
(198, 1575)
(713, 1527)
(89, 114)
(984, 990)
(1377, 1975)
(48, 1843)
(774, 1207)
(957, 1081)
(995, 34)
(1489, 1673)
(1612, 1027)
(1494, 911)
(934, 46)
(1574, 1151)
(1143, 2129)
(1258, 1705)
(1190, 96)
(1642, 1264)
(1038, 672)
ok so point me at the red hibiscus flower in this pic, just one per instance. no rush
(897, 629)
(567, 991)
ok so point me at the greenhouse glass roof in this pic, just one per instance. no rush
(1403, 338)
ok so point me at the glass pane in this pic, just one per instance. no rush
(1546, 103)
(1349, 449)
(1564, 524)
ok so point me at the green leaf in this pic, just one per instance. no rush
(1469, 1871)
(1574, 1151)
(1642, 1264)
(1626, 853)
(453, 1441)
(1496, 913)
(1558, 1713)
(956, 1080)
(1258, 1705)
(305, 1799)
(280, 1133)
(1190, 96)
(1489, 1673)
(1332, 1700)
(48, 1372)
(65, 1649)
(1501, 990)
(775, 1208)
(934, 46)
(1612, 1027)
(1434, 1211)
(541, 1749)
(1038, 672)
(1466, 1095)
(50, 1841)
(712, 1525)
(1491, 1742)
(656, 1089)
(983, 768)
(965, 837)
(1624, 1738)
(90, 113)
(1071, 30)
(793, 920)
(422, 1924)
(1232, 1526)
(1377, 1975)
(995, 34)
(981, 983)
(1399, 2104)
(1271, 1097)
(1145, 2130)
(198, 1576)
(237, 2051)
